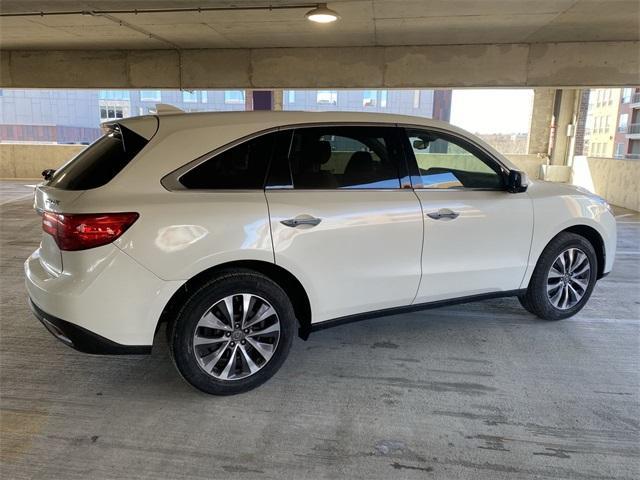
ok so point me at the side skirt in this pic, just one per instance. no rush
(304, 332)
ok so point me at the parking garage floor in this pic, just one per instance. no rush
(478, 391)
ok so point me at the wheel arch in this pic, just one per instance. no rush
(285, 279)
(595, 239)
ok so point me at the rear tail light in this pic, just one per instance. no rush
(83, 231)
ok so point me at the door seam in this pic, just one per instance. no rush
(421, 245)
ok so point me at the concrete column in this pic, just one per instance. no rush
(564, 122)
(541, 116)
(278, 99)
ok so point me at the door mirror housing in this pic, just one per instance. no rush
(517, 182)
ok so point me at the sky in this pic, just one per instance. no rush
(492, 110)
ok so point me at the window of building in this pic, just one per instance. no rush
(150, 95)
(607, 124)
(345, 157)
(369, 98)
(234, 96)
(623, 122)
(189, 96)
(113, 95)
(416, 99)
(291, 96)
(109, 111)
(619, 150)
(383, 98)
(444, 162)
(241, 167)
(327, 97)
(627, 93)
(204, 96)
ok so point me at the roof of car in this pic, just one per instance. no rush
(295, 117)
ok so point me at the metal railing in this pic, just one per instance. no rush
(634, 128)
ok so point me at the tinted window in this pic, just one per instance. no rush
(240, 167)
(99, 162)
(444, 162)
(344, 157)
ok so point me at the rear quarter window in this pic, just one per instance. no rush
(241, 167)
(100, 162)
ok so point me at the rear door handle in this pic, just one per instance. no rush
(299, 221)
(442, 214)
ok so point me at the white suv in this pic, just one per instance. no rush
(237, 228)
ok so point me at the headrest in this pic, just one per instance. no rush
(359, 162)
(322, 152)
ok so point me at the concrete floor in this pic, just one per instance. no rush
(481, 391)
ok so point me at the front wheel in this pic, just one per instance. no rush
(233, 333)
(563, 279)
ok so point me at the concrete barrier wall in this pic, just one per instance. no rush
(28, 160)
(617, 181)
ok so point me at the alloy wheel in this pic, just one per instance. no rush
(568, 278)
(236, 337)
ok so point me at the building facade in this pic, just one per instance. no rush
(422, 103)
(627, 136)
(602, 118)
(74, 116)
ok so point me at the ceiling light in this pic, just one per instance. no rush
(322, 14)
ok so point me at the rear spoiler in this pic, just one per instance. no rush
(145, 126)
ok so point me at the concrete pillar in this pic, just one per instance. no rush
(541, 116)
(563, 124)
(278, 99)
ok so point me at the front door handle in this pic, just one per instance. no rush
(299, 221)
(442, 214)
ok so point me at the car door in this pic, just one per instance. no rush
(340, 221)
(477, 235)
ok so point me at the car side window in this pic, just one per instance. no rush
(241, 167)
(445, 162)
(342, 157)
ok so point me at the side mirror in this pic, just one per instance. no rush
(517, 181)
(419, 144)
(48, 173)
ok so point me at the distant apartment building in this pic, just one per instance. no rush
(74, 116)
(602, 118)
(422, 103)
(57, 116)
(627, 136)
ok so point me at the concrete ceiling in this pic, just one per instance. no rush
(363, 23)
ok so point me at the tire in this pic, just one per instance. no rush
(569, 284)
(525, 304)
(202, 337)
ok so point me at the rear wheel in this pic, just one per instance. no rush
(233, 333)
(563, 279)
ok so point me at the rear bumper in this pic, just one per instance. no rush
(102, 291)
(82, 339)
